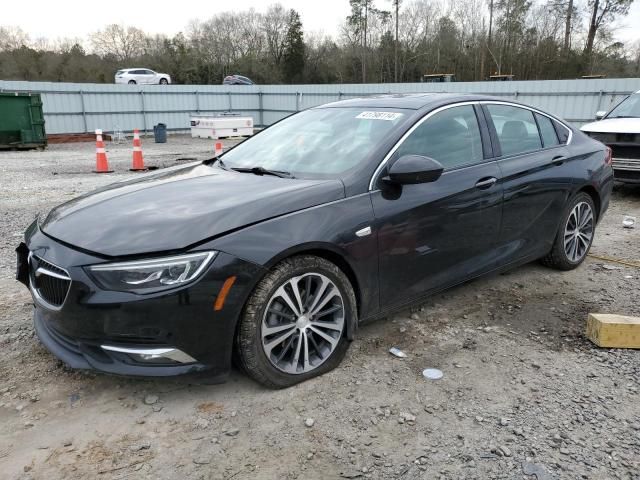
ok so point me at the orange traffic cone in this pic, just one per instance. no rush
(138, 161)
(218, 149)
(102, 165)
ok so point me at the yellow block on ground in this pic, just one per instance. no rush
(613, 331)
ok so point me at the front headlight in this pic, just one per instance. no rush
(149, 276)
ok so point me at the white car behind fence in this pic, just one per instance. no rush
(141, 76)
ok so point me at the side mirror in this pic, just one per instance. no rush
(600, 114)
(412, 169)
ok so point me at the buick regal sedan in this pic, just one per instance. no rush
(276, 251)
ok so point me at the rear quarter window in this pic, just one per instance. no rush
(547, 131)
(562, 131)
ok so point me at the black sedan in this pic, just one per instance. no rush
(276, 251)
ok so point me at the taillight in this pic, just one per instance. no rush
(608, 156)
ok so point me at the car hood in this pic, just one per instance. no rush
(178, 207)
(613, 125)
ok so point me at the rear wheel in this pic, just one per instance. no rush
(293, 326)
(575, 234)
(132, 82)
(163, 81)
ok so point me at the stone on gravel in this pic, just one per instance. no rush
(504, 451)
(202, 423)
(150, 399)
(140, 446)
(309, 422)
(407, 417)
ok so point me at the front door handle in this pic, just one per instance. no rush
(558, 160)
(486, 182)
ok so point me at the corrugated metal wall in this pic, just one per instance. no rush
(82, 107)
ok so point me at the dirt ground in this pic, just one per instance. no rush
(524, 394)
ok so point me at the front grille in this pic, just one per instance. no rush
(605, 138)
(608, 138)
(49, 281)
(626, 164)
(626, 151)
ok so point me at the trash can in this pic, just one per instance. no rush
(160, 133)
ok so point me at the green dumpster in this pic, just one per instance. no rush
(21, 121)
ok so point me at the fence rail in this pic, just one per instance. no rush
(81, 108)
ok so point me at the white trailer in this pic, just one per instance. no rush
(221, 126)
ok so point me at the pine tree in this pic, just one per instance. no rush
(293, 64)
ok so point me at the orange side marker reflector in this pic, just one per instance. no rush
(224, 291)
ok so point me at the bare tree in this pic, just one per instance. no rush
(12, 38)
(118, 41)
(567, 26)
(274, 26)
(603, 11)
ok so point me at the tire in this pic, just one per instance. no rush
(267, 308)
(132, 82)
(562, 258)
(164, 81)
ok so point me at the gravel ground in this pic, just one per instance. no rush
(524, 394)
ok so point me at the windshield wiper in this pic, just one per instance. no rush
(624, 116)
(263, 171)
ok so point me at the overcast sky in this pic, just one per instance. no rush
(76, 18)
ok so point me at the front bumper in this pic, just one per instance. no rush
(168, 333)
(626, 171)
(92, 355)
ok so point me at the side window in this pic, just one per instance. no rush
(547, 131)
(452, 137)
(149, 72)
(562, 131)
(516, 128)
(138, 72)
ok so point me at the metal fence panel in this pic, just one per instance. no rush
(80, 107)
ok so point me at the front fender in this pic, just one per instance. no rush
(330, 227)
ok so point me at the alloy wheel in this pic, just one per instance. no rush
(578, 232)
(303, 323)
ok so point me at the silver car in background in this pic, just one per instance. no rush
(620, 130)
(141, 76)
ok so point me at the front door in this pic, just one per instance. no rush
(434, 235)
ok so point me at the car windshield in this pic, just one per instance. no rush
(318, 142)
(629, 107)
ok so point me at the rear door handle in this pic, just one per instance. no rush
(558, 160)
(486, 182)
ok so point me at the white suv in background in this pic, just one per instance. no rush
(620, 130)
(142, 76)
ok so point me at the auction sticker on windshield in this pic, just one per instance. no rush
(379, 115)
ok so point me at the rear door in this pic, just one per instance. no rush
(149, 77)
(536, 175)
(138, 76)
(433, 235)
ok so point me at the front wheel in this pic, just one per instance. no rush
(293, 325)
(575, 234)
(132, 82)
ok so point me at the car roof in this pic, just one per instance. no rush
(412, 101)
